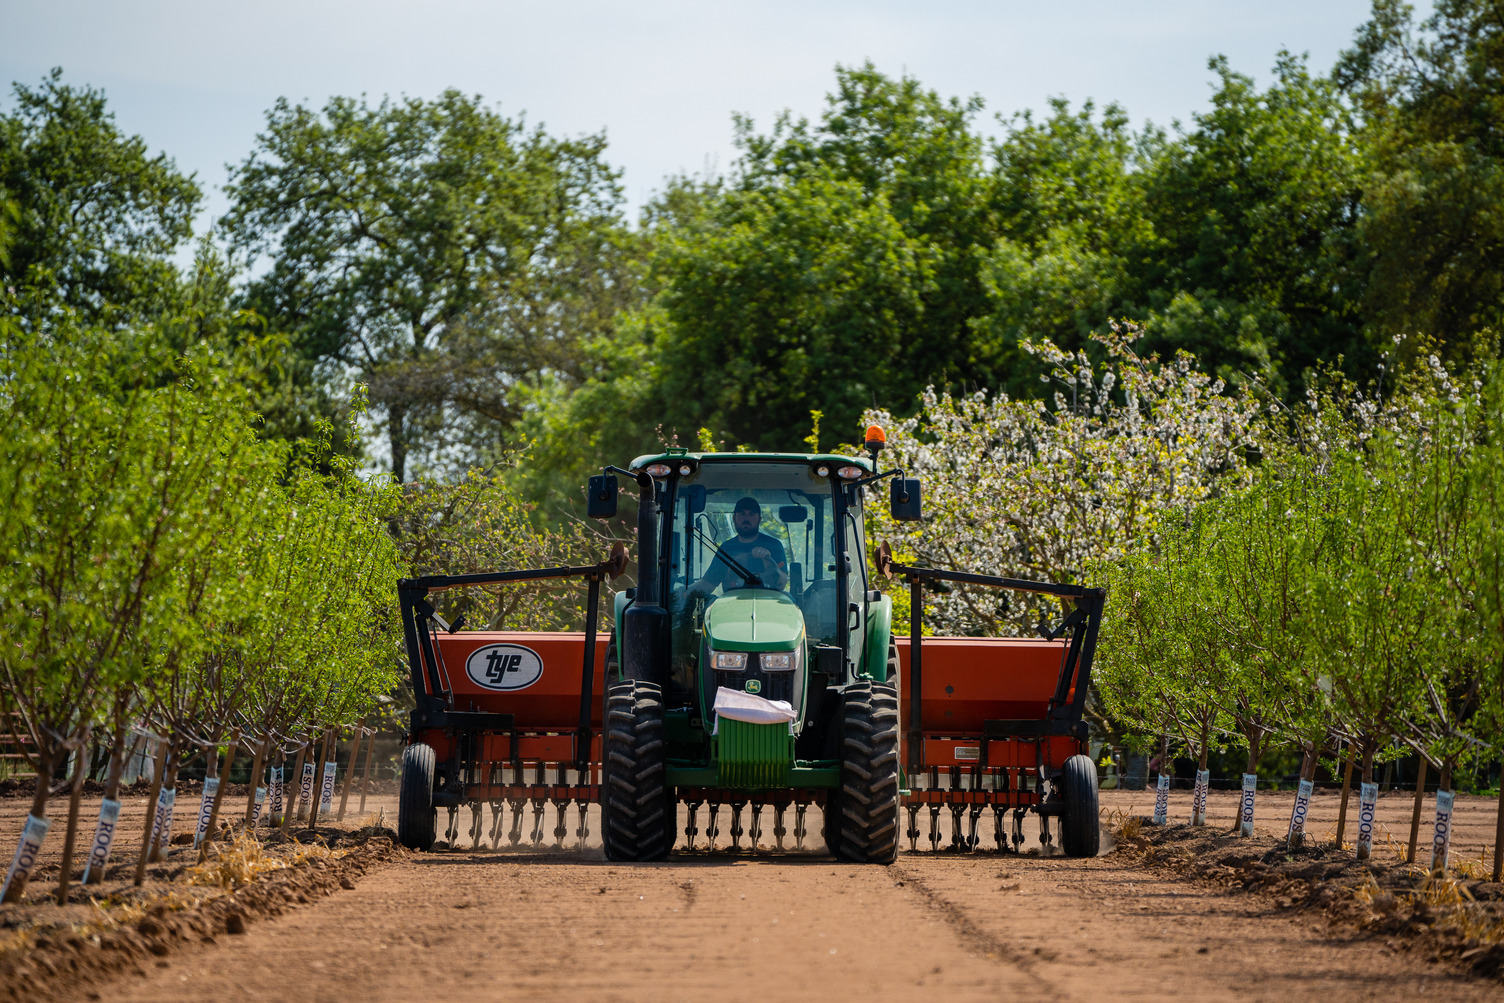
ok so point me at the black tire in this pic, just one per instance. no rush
(636, 802)
(1080, 826)
(612, 668)
(868, 799)
(893, 664)
(416, 816)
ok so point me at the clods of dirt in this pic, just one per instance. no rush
(1445, 918)
(46, 948)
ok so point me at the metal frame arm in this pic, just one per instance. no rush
(1067, 707)
(434, 706)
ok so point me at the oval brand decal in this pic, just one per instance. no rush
(504, 667)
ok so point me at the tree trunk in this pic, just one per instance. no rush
(85, 763)
(46, 766)
(170, 781)
(1420, 793)
(1369, 748)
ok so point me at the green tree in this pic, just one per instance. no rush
(1252, 212)
(838, 269)
(96, 218)
(1431, 100)
(437, 251)
(1071, 221)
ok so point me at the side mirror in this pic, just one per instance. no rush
(601, 500)
(694, 494)
(903, 499)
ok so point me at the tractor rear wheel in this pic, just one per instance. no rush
(1080, 828)
(866, 816)
(416, 824)
(637, 822)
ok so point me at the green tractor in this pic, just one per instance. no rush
(754, 666)
(752, 583)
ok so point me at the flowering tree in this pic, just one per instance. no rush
(1050, 489)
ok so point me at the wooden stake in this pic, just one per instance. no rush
(250, 793)
(317, 794)
(151, 810)
(1420, 792)
(219, 794)
(365, 777)
(290, 793)
(1347, 784)
(344, 796)
(79, 772)
(1499, 834)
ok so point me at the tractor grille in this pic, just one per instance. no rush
(775, 685)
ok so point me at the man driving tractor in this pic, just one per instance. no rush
(755, 551)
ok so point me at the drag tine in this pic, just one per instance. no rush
(514, 836)
(799, 831)
(778, 830)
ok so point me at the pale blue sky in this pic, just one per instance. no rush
(662, 78)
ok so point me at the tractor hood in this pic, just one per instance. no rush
(754, 620)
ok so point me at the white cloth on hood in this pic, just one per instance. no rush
(751, 708)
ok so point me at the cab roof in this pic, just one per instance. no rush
(834, 459)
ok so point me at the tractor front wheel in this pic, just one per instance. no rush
(416, 823)
(865, 821)
(635, 800)
(1080, 827)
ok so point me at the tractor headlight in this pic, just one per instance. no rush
(850, 473)
(730, 661)
(779, 662)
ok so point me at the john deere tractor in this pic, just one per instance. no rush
(754, 666)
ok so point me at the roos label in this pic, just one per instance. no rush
(1368, 806)
(104, 837)
(1245, 815)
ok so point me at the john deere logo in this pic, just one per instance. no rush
(504, 667)
(754, 685)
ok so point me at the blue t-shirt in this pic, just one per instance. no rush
(739, 550)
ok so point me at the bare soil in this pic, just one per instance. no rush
(563, 923)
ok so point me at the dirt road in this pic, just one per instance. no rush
(554, 925)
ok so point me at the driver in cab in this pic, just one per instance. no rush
(755, 551)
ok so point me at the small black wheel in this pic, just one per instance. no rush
(636, 801)
(416, 823)
(1080, 827)
(867, 803)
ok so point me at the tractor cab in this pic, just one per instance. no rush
(762, 556)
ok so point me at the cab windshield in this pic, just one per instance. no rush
(797, 513)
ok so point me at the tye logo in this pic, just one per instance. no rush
(504, 667)
(499, 663)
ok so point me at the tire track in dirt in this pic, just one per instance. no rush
(953, 914)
